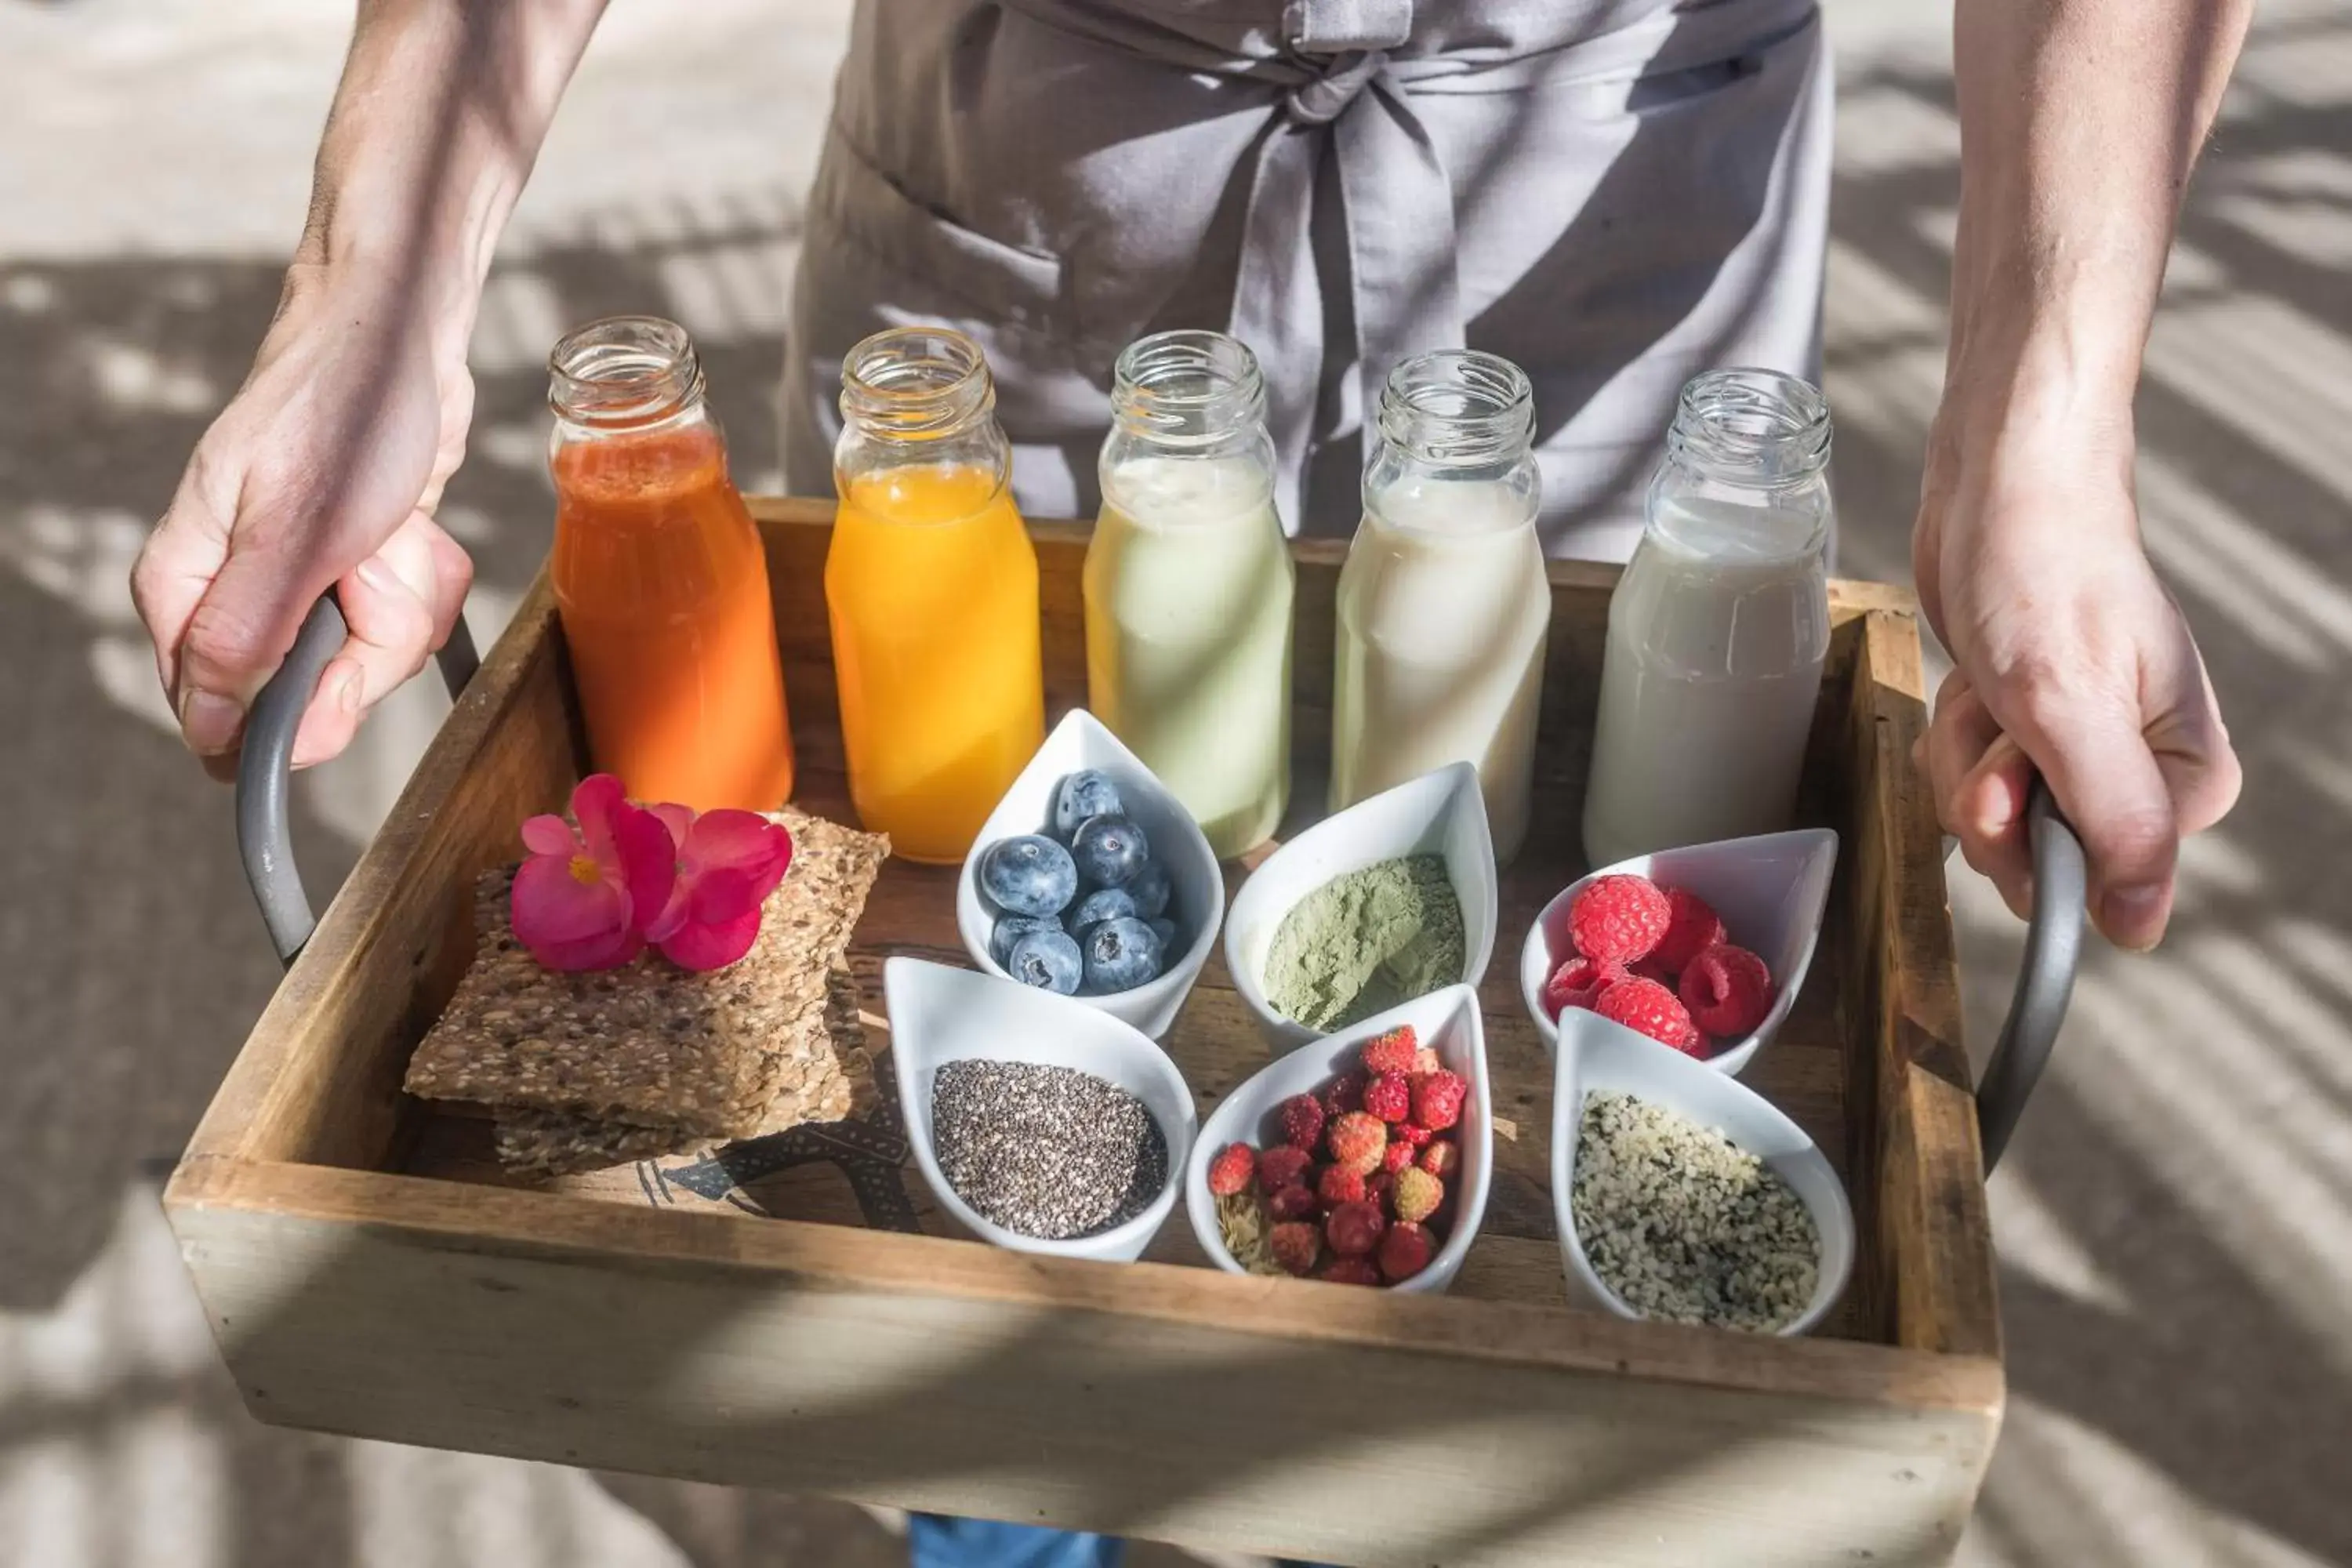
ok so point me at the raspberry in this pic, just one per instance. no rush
(1443, 1159)
(1302, 1121)
(1418, 1193)
(1380, 1188)
(1293, 1201)
(1389, 1097)
(1357, 1139)
(1350, 1271)
(1437, 1100)
(1343, 1094)
(1648, 1007)
(1391, 1052)
(1406, 1133)
(1354, 1230)
(1405, 1251)
(1651, 969)
(1282, 1166)
(1618, 918)
(1295, 1247)
(1232, 1170)
(1398, 1154)
(1691, 929)
(1579, 982)
(1339, 1184)
(1728, 990)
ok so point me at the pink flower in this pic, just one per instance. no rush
(583, 897)
(727, 863)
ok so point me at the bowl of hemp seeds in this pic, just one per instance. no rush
(1039, 1124)
(1682, 1195)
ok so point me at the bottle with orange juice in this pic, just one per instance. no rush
(931, 587)
(660, 580)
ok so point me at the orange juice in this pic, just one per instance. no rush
(931, 586)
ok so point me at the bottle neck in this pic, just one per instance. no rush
(1746, 475)
(916, 386)
(1456, 455)
(626, 375)
(1187, 392)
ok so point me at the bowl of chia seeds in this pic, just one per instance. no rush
(1682, 1195)
(1394, 897)
(1039, 1124)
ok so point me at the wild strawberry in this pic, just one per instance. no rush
(1389, 1097)
(1380, 1188)
(1728, 990)
(1302, 1121)
(1418, 1193)
(1405, 1251)
(1398, 1154)
(1232, 1170)
(1391, 1052)
(1343, 1094)
(1339, 1184)
(1618, 918)
(1437, 1100)
(1282, 1166)
(1647, 1007)
(1412, 1133)
(1443, 1159)
(1295, 1247)
(1691, 929)
(1350, 1271)
(1354, 1230)
(1296, 1201)
(1578, 981)
(1356, 1140)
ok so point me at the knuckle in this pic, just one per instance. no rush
(230, 639)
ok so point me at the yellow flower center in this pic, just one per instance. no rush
(586, 872)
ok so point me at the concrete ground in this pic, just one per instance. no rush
(2176, 1238)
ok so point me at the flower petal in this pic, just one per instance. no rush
(648, 862)
(549, 835)
(550, 906)
(594, 801)
(698, 946)
(721, 898)
(679, 819)
(742, 841)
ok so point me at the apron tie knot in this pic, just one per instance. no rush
(1322, 100)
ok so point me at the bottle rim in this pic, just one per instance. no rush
(1458, 408)
(1753, 424)
(1188, 386)
(914, 383)
(623, 371)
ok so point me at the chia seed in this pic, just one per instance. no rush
(1045, 1152)
(1683, 1223)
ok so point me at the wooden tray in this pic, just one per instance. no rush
(751, 1318)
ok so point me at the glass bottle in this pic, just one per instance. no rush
(1719, 628)
(1189, 583)
(661, 583)
(931, 583)
(1443, 606)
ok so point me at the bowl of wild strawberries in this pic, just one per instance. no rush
(1360, 1159)
(1702, 948)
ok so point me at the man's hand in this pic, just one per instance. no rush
(324, 470)
(2074, 660)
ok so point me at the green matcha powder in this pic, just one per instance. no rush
(1361, 943)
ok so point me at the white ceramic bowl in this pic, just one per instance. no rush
(1440, 813)
(1597, 1054)
(939, 1014)
(1197, 887)
(1448, 1022)
(1770, 891)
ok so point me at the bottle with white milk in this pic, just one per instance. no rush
(1719, 628)
(1189, 583)
(1443, 605)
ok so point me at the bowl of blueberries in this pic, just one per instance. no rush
(1090, 881)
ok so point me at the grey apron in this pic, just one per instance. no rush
(1615, 194)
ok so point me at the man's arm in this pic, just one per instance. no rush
(2080, 121)
(325, 469)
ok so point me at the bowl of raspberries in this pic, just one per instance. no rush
(1703, 948)
(1090, 879)
(1360, 1159)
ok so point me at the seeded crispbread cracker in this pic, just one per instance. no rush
(649, 1044)
(824, 1083)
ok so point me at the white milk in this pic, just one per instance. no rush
(1443, 615)
(1717, 634)
(1188, 591)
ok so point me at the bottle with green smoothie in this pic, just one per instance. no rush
(1189, 583)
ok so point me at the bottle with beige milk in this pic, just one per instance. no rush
(1189, 583)
(1443, 605)
(1719, 628)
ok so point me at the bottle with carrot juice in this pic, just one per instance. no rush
(931, 586)
(660, 580)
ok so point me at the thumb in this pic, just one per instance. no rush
(237, 637)
(2106, 778)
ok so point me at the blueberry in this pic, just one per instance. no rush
(1102, 904)
(1010, 929)
(1122, 954)
(1048, 960)
(1081, 795)
(1109, 851)
(1031, 875)
(1165, 930)
(1148, 888)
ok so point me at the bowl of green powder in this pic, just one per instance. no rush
(1386, 902)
